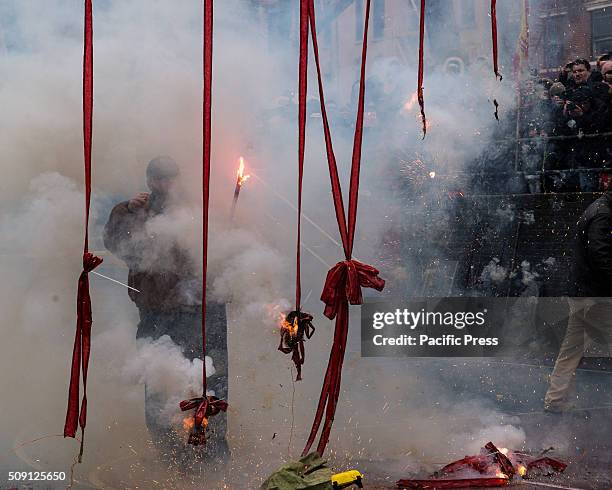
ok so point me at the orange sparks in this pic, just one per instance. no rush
(291, 328)
(408, 106)
(500, 474)
(188, 423)
(240, 174)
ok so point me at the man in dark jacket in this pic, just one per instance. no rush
(169, 301)
(591, 301)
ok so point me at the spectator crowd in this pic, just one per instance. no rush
(565, 128)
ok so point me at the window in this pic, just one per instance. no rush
(379, 18)
(601, 22)
(555, 28)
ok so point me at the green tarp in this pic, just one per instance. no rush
(309, 472)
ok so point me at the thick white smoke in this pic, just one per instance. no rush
(148, 102)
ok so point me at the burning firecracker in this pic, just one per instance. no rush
(498, 468)
(205, 407)
(295, 326)
(241, 178)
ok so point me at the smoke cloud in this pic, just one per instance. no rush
(148, 102)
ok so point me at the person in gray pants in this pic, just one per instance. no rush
(590, 302)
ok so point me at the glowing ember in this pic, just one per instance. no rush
(500, 474)
(522, 470)
(240, 174)
(291, 328)
(432, 174)
(188, 423)
(409, 105)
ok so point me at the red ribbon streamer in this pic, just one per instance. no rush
(344, 281)
(494, 37)
(302, 88)
(82, 339)
(459, 483)
(205, 402)
(207, 113)
(420, 96)
(287, 345)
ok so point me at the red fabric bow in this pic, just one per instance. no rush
(205, 407)
(344, 282)
(80, 352)
(90, 262)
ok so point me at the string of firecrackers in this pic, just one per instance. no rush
(345, 280)
(205, 406)
(75, 415)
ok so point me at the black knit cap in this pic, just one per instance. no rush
(162, 167)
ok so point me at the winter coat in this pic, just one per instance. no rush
(161, 270)
(592, 260)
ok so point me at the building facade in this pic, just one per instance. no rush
(458, 34)
(569, 29)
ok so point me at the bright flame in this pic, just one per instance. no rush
(410, 103)
(503, 450)
(432, 175)
(500, 474)
(291, 328)
(188, 423)
(522, 470)
(240, 174)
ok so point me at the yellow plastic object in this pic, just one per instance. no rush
(346, 479)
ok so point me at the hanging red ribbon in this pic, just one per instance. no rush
(494, 38)
(302, 88)
(420, 96)
(82, 339)
(292, 342)
(344, 281)
(206, 406)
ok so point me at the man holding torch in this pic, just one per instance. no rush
(166, 288)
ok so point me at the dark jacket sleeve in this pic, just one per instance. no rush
(599, 243)
(121, 231)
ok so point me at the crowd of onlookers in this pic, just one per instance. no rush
(565, 126)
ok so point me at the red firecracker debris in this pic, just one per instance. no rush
(457, 483)
(545, 466)
(502, 460)
(296, 327)
(499, 467)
